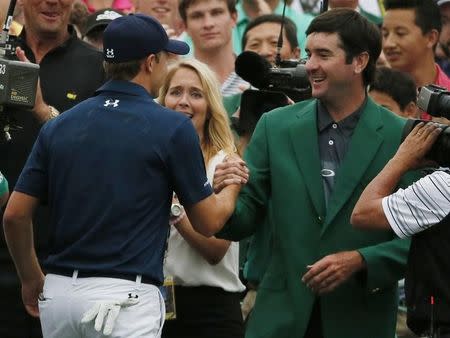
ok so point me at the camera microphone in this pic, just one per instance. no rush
(253, 68)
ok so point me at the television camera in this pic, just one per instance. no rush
(18, 80)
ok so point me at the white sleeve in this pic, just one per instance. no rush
(418, 207)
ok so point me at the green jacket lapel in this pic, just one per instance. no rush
(362, 149)
(303, 133)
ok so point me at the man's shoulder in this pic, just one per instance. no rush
(85, 50)
(292, 111)
(387, 117)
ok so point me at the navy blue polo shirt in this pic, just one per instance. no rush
(108, 168)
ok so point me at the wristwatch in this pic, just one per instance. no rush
(53, 112)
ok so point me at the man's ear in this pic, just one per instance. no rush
(432, 38)
(234, 17)
(149, 62)
(296, 53)
(361, 62)
(411, 110)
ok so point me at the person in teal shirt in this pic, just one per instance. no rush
(301, 21)
(4, 191)
(260, 36)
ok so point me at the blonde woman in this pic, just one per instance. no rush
(205, 270)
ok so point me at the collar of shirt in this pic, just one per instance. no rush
(441, 79)
(29, 53)
(347, 125)
(124, 87)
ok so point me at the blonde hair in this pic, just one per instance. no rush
(217, 133)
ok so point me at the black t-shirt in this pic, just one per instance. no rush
(69, 74)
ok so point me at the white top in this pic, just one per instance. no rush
(421, 205)
(189, 268)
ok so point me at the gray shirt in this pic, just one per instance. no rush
(334, 138)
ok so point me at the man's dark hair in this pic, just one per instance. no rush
(185, 4)
(398, 85)
(427, 12)
(289, 28)
(122, 71)
(357, 35)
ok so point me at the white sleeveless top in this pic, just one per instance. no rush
(189, 268)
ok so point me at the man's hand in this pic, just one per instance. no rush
(331, 271)
(232, 170)
(41, 110)
(411, 153)
(30, 294)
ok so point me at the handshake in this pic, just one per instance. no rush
(233, 170)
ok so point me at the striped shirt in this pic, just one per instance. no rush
(232, 84)
(420, 206)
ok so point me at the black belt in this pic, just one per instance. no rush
(86, 274)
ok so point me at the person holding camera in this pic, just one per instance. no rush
(205, 270)
(422, 211)
(310, 161)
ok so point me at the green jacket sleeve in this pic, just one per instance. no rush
(253, 199)
(386, 262)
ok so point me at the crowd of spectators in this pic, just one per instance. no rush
(65, 38)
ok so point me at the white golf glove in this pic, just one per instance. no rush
(106, 312)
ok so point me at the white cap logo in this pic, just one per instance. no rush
(108, 15)
(114, 103)
(110, 53)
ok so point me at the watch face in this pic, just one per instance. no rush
(53, 112)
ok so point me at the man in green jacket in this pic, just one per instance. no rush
(312, 160)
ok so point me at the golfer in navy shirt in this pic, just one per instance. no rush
(107, 168)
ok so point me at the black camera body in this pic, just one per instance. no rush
(288, 79)
(435, 101)
(18, 80)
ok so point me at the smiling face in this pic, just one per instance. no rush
(404, 44)
(186, 95)
(47, 17)
(165, 11)
(330, 75)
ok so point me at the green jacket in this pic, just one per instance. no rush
(283, 158)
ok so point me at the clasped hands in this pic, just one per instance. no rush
(232, 170)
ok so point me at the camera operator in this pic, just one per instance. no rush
(261, 37)
(422, 210)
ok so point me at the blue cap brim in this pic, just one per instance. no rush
(177, 47)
